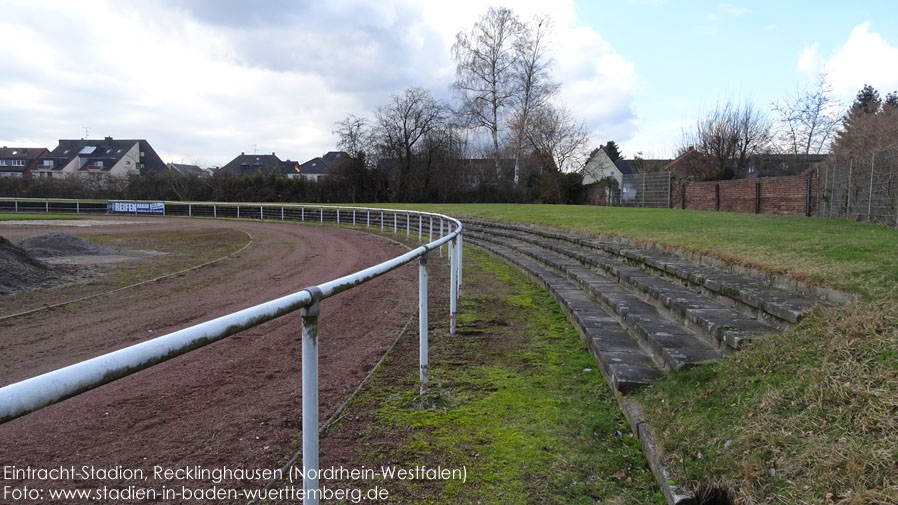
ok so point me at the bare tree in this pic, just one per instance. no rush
(408, 119)
(354, 136)
(485, 70)
(553, 132)
(728, 136)
(807, 120)
(535, 87)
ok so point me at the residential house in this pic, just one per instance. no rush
(182, 169)
(691, 164)
(19, 162)
(108, 157)
(599, 167)
(320, 167)
(249, 164)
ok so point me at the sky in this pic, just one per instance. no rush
(204, 80)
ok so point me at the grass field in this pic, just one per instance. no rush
(27, 217)
(514, 398)
(807, 416)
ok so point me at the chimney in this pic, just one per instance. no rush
(242, 153)
(272, 153)
(108, 139)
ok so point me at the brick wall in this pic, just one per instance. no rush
(778, 195)
(738, 195)
(701, 196)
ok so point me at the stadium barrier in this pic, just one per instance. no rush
(32, 394)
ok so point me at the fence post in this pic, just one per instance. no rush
(452, 284)
(642, 176)
(717, 197)
(16, 205)
(758, 197)
(310, 398)
(441, 236)
(353, 217)
(848, 200)
(47, 205)
(282, 212)
(214, 210)
(408, 224)
(338, 217)
(821, 204)
(381, 221)
(189, 210)
(419, 228)
(302, 214)
(669, 176)
(870, 200)
(807, 201)
(321, 214)
(395, 221)
(261, 213)
(422, 321)
(77, 206)
(238, 211)
(458, 269)
(430, 233)
(368, 224)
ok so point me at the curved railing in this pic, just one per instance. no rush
(37, 392)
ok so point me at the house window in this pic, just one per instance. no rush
(141, 166)
(18, 163)
(87, 150)
(3, 163)
(48, 163)
(142, 154)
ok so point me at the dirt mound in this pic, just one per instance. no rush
(19, 271)
(56, 244)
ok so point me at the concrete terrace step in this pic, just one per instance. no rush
(672, 345)
(717, 323)
(778, 302)
(625, 365)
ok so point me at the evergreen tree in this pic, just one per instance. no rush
(867, 102)
(612, 150)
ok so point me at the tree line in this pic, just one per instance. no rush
(801, 125)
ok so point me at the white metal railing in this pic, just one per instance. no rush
(37, 392)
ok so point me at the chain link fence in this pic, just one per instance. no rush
(862, 189)
(642, 190)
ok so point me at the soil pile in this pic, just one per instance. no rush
(19, 271)
(57, 244)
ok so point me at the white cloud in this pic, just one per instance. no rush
(733, 10)
(203, 80)
(810, 62)
(865, 58)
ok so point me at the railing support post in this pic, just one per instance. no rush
(310, 398)
(77, 206)
(458, 268)
(238, 211)
(430, 232)
(453, 285)
(408, 220)
(215, 211)
(16, 205)
(282, 212)
(189, 210)
(381, 221)
(321, 214)
(419, 228)
(353, 217)
(302, 214)
(338, 216)
(441, 236)
(395, 222)
(422, 321)
(261, 213)
(369, 219)
(47, 206)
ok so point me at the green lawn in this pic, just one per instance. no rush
(26, 217)
(854, 257)
(514, 398)
(809, 415)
